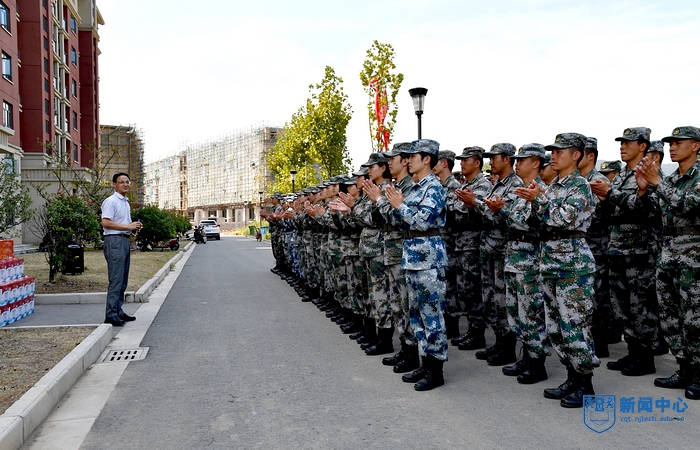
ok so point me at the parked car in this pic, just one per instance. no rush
(211, 228)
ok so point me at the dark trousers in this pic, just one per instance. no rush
(118, 255)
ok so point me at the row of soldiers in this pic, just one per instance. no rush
(548, 251)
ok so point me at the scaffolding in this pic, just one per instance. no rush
(122, 150)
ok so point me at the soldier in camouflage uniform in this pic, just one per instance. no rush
(678, 269)
(492, 248)
(610, 169)
(567, 267)
(467, 230)
(275, 232)
(443, 170)
(422, 212)
(547, 174)
(524, 302)
(630, 264)
(597, 239)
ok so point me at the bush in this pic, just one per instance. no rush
(157, 224)
(181, 224)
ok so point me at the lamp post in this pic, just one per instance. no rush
(418, 96)
(293, 173)
(245, 213)
(259, 216)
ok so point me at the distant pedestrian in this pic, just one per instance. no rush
(117, 225)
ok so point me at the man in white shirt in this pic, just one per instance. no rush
(117, 225)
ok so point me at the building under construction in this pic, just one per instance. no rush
(122, 150)
(220, 177)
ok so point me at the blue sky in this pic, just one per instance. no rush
(496, 71)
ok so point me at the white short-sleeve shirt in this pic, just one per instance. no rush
(116, 208)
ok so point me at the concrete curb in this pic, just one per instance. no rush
(139, 296)
(26, 414)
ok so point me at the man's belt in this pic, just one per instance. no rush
(522, 236)
(408, 234)
(562, 234)
(120, 234)
(681, 231)
(388, 227)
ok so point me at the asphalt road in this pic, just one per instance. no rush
(236, 360)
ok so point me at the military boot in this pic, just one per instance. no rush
(679, 380)
(582, 386)
(385, 343)
(506, 351)
(410, 360)
(370, 338)
(692, 392)
(473, 340)
(600, 344)
(625, 360)
(433, 375)
(451, 326)
(565, 388)
(417, 374)
(642, 364)
(535, 372)
(394, 359)
(519, 367)
(488, 351)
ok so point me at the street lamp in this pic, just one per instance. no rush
(245, 213)
(259, 216)
(293, 173)
(418, 96)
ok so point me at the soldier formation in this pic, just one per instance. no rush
(544, 249)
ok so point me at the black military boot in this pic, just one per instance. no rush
(600, 344)
(642, 364)
(451, 326)
(565, 388)
(473, 340)
(692, 392)
(519, 367)
(488, 351)
(410, 360)
(506, 351)
(354, 326)
(367, 334)
(622, 362)
(535, 372)
(582, 386)
(679, 380)
(385, 343)
(370, 338)
(394, 359)
(417, 374)
(433, 375)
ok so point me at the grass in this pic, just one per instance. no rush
(143, 266)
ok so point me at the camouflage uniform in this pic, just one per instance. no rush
(447, 233)
(492, 246)
(354, 268)
(467, 230)
(567, 265)
(630, 265)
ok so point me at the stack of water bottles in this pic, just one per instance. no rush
(16, 289)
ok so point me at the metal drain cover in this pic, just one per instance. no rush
(134, 354)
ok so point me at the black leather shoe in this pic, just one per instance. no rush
(675, 381)
(639, 366)
(358, 334)
(114, 322)
(564, 389)
(487, 352)
(415, 376)
(534, 374)
(410, 362)
(620, 363)
(458, 340)
(474, 341)
(582, 386)
(517, 368)
(126, 318)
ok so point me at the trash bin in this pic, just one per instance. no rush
(251, 230)
(76, 259)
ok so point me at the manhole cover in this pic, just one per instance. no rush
(134, 354)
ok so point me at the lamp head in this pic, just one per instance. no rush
(418, 96)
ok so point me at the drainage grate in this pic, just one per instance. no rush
(134, 354)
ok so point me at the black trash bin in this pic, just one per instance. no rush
(76, 259)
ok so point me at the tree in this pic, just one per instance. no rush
(315, 141)
(157, 224)
(382, 86)
(181, 224)
(15, 202)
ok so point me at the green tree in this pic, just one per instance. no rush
(382, 86)
(15, 202)
(68, 220)
(157, 224)
(182, 224)
(315, 141)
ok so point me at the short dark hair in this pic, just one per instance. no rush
(387, 172)
(450, 163)
(588, 151)
(433, 159)
(120, 174)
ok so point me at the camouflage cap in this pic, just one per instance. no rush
(684, 133)
(335, 180)
(397, 149)
(348, 180)
(503, 148)
(362, 171)
(424, 145)
(314, 190)
(634, 134)
(528, 150)
(656, 146)
(547, 160)
(610, 166)
(376, 158)
(276, 195)
(447, 154)
(567, 140)
(468, 152)
(592, 143)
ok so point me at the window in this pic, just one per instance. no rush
(47, 105)
(4, 16)
(46, 85)
(46, 43)
(74, 88)
(46, 65)
(73, 56)
(75, 152)
(45, 23)
(74, 25)
(75, 120)
(47, 126)
(6, 66)
(7, 119)
(43, 2)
